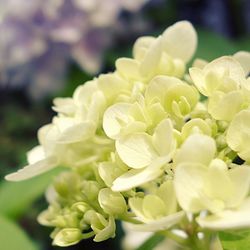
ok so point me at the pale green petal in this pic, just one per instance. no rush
(197, 148)
(151, 58)
(217, 176)
(180, 40)
(158, 87)
(109, 171)
(78, 132)
(158, 225)
(107, 232)
(226, 65)
(163, 138)
(240, 178)
(136, 150)
(128, 68)
(219, 100)
(198, 79)
(136, 177)
(111, 85)
(83, 93)
(135, 203)
(189, 181)
(96, 107)
(243, 57)
(116, 117)
(238, 134)
(36, 154)
(183, 96)
(64, 105)
(167, 193)
(141, 46)
(228, 219)
(153, 207)
(34, 169)
(199, 63)
(196, 125)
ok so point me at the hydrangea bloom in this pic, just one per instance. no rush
(41, 37)
(142, 146)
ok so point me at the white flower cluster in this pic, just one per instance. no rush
(151, 144)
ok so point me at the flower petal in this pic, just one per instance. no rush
(136, 150)
(79, 132)
(228, 219)
(180, 40)
(243, 57)
(33, 170)
(163, 138)
(158, 225)
(136, 177)
(197, 148)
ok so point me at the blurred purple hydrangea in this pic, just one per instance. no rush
(40, 37)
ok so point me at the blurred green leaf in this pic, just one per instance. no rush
(16, 197)
(211, 45)
(236, 240)
(12, 237)
(152, 242)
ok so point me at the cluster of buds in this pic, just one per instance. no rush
(152, 144)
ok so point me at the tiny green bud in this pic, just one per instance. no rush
(67, 237)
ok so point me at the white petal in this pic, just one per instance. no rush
(238, 134)
(115, 117)
(36, 154)
(151, 58)
(158, 225)
(180, 40)
(219, 100)
(240, 178)
(188, 183)
(197, 148)
(136, 150)
(127, 67)
(34, 169)
(79, 132)
(229, 65)
(137, 177)
(141, 46)
(158, 87)
(163, 138)
(198, 79)
(243, 57)
(228, 219)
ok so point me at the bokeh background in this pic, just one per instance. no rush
(48, 47)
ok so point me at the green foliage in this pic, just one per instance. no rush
(14, 238)
(16, 197)
(212, 45)
(235, 240)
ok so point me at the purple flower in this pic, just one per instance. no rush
(39, 38)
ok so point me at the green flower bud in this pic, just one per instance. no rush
(112, 203)
(67, 237)
(102, 228)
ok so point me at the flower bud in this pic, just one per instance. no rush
(67, 237)
(112, 202)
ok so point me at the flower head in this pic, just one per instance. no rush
(142, 146)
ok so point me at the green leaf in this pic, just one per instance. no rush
(16, 197)
(152, 242)
(235, 240)
(212, 45)
(12, 237)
